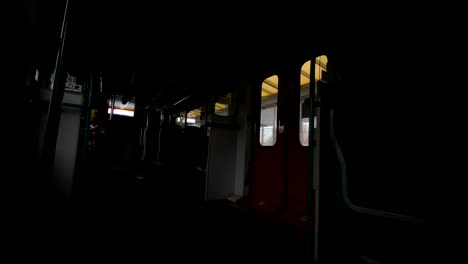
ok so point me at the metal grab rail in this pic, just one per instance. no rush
(344, 181)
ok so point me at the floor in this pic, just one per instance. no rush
(152, 215)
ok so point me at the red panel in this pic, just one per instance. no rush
(297, 173)
(267, 185)
(295, 211)
(295, 215)
(296, 206)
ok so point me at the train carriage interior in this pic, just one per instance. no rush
(223, 132)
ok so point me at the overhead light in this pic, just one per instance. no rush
(121, 112)
(191, 121)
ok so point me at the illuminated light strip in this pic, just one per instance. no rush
(191, 121)
(121, 112)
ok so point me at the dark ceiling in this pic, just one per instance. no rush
(162, 51)
(165, 50)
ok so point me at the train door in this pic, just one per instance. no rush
(374, 195)
(280, 166)
(223, 163)
(298, 124)
(266, 187)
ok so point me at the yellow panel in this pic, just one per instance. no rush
(305, 73)
(269, 86)
(194, 113)
(304, 80)
(306, 67)
(219, 106)
(273, 79)
(320, 62)
(318, 70)
(323, 59)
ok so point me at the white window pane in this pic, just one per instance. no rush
(193, 117)
(268, 114)
(320, 67)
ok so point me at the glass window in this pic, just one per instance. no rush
(193, 117)
(268, 114)
(320, 75)
(119, 105)
(223, 106)
(180, 119)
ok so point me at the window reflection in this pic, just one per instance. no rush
(193, 117)
(223, 106)
(320, 75)
(268, 115)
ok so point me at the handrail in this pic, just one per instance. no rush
(344, 181)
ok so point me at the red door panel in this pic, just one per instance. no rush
(267, 184)
(266, 192)
(298, 124)
(295, 212)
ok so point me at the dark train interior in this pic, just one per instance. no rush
(179, 131)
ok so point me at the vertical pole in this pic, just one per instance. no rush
(204, 158)
(55, 106)
(88, 116)
(310, 171)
